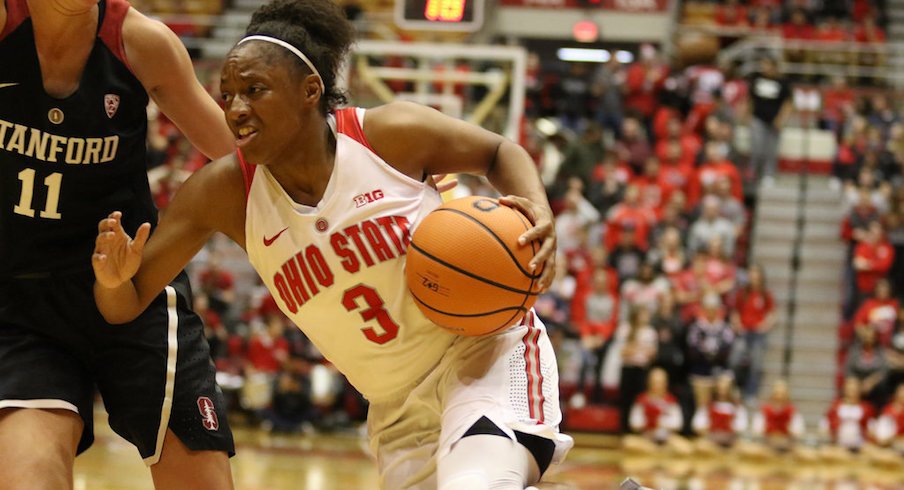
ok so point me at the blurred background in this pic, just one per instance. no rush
(728, 182)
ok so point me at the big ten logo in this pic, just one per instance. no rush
(368, 197)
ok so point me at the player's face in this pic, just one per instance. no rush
(259, 97)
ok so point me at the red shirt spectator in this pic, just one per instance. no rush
(879, 312)
(629, 213)
(266, 353)
(732, 14)
(869, 32)
(873, 258)
(848, 422)
(707, 175)
(753, 307)
(643, 81)
(654, 187)
(798, 28)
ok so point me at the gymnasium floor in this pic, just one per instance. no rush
(331, 462)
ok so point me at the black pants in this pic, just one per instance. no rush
(595, 359)
(633, 383)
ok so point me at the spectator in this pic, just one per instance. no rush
(720, 271)
(668, 256)
(879, 313)
(582, 155)
(676, 169)
(770, 96)
(777, 423)
(715, 166)
(553, 305)
(731, 14)
(608, 183)
(709, 342)
(872, 260)
(895, 354)
(218, 284)
(645, 290)
(632, 213)
(673, 216)
(847, 423)
(721, 421)
(730, 207)
(637, 340)
(633, 148)
(866, 362)
(644, 81)
(656, 416)
(291, 409)
(890, 426)
(711, 225)
(574, 98)
(855, 226)
(653, 186)
(608, 88)
(627, 257)
(882, 116)
(690, 286)
(574, 220)
(753, 317)
(600, 319)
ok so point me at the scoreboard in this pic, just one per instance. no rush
(440, 15)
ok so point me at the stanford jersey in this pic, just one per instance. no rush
(337, 269)
(66, 163)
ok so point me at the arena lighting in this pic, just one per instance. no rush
(624, 56)
(584, 55)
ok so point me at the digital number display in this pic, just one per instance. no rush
(458, 15)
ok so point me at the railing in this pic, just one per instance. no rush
(879, 62)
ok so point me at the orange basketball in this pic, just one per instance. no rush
(465, 268)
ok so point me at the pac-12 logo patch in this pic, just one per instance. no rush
(208, 414)
(111, 104)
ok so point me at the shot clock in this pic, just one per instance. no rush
(439, 15)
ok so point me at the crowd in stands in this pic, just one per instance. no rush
(653, 199)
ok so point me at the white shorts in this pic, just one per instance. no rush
(511, 378)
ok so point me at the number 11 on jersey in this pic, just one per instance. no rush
(53, 182)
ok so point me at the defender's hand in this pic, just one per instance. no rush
(117, 256)
(543, 231)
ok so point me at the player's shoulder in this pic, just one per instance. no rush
(396, 115)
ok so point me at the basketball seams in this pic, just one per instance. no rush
(519, 310)
(495, 237)
(440, 261)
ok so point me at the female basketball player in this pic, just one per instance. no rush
(75, 76)
(323, 200)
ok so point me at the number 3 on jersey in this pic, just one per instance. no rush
(373, 311)
(53, 183)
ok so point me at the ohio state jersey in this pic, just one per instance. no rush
(337, 269)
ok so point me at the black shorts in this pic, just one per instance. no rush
(154, 373)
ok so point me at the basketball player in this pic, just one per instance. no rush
(74, 82)
(324, 201)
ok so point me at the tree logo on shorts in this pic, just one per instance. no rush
(208, 414)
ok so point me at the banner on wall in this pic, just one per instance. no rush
(626, 6)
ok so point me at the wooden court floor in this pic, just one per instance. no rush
(340, 462)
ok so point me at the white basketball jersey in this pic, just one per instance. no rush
(337, 269)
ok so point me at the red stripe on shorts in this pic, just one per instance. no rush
(535, 399)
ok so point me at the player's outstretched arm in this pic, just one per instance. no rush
(130, 273)
(162, 65)
(438, 144)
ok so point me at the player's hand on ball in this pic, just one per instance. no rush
(116, 255)
(543, 231)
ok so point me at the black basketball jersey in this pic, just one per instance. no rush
(67, 163)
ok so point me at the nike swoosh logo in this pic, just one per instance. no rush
(4, 85)
(269, 241)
